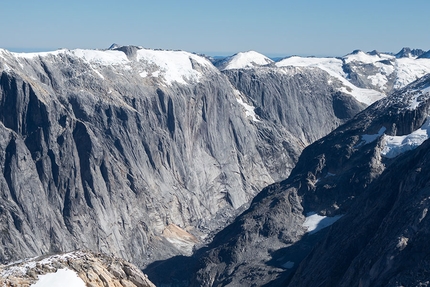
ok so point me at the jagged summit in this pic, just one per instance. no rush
(426, 55)
(407, 52)
(114, 46)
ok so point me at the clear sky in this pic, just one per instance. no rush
(271, 27)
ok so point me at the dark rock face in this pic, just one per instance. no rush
(382, 202)
(120, 152)
(408, 52)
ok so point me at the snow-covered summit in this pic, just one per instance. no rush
(245, 60)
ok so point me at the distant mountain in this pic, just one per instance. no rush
(365, 76)
(409, 53)
(244, 60)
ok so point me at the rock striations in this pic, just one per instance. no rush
(368, 179)
(144, 153)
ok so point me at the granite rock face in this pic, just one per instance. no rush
(376, 202)
(141, 153)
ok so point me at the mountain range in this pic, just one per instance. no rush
(239, 164)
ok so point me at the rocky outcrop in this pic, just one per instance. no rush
(94, 269)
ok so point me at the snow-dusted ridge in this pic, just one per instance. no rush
(166, 66)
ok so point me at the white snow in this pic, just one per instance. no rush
(315, 222)
(366, 96)
(246, 60)
(169, 66)
(395, 145)
(249, 110)
(173, 66)
(367, 58)
(21, 267)
(38, 54)
(371, 138)
(63, 277)
(333, 66)
(105, 58)
(409, 70)
(378, 80)
(415, 102)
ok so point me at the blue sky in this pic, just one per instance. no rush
(274, 28)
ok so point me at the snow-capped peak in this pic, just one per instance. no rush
(245, 60)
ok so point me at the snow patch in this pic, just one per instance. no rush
(249, 110)
(98, 74)
(63, 277)
(371, 138)
(315, 222)
(379, 80)
(105, 58)
(246, 60)
(174, 66)
(414, 101)
(288, 265)
(143, 74)
(396, 145)
(39, 54)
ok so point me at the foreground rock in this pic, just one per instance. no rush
(95, 270)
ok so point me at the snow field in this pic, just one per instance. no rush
(63, 277)
(315, 222)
